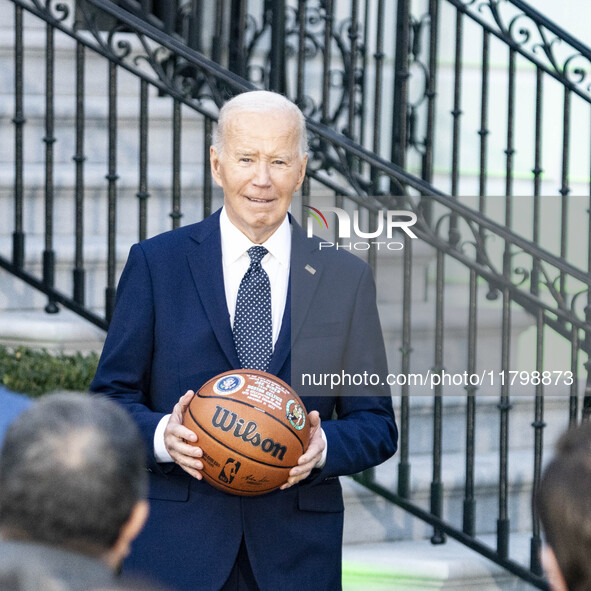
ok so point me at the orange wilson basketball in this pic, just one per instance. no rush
(252, 428)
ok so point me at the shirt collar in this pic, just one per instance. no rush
(235, 243)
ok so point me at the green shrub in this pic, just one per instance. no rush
(37, 372)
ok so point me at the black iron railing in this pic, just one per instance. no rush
(493, 258)
(383, 75)
(382, 64)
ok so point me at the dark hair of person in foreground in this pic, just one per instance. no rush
(72, 469)
(563, 502)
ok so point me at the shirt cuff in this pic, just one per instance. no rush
(160, 452)
(322, 460)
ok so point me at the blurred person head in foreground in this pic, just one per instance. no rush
(563, 502)
(72, 488)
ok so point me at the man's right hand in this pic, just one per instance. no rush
(178, 439)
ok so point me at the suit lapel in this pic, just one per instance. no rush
(305, 273)
(205, 262)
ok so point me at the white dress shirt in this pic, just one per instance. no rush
(235, 263)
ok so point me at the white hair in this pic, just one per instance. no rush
(259, 101)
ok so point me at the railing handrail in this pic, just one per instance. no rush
(557, 71)
(340, 140)
(529, 10)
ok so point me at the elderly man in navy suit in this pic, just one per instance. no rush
(247, 288)
(11, 405)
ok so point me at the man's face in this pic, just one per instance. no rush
(259, 170)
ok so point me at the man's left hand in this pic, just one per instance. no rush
(313, 455)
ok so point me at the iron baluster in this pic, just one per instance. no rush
(400, 92)
(338, 202)
(438, 536)
(277, 75)
(175, 214)
(112, 178)
(328, 19)
(18, 236)
(457, 115)
(143, 193)
(377, 106)
(586, 413)
(216, 40)
(237, 45)
(427, 168)
(207, 181)
(573, 407)
(49, 140)
(301, 67)
(503, 524)
(538, 170)
(565, 189)
(168, 15)
(406, 350)
(510, 151)
(483, 132)
(353, 37)
(79, 274)
(469, 513)
(457, 110)
(195, 25)
(538, 425)
(361, 79)
(305, 191)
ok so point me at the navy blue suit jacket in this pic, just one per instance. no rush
(171, 332)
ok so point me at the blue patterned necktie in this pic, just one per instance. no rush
(253, 328)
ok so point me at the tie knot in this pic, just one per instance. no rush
(256, 254)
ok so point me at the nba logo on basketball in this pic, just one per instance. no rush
(229, 471)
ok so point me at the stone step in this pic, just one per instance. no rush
(455, 340)
(96, 131)
(95, 201)
(487, 428)
(16, 295)
(64, 332)
(419, 565)
(65, 56)
(371, 518)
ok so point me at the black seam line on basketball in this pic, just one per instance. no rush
(249, 492)
(260, 410)
(237, 452)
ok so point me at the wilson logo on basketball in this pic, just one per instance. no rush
(227, 420)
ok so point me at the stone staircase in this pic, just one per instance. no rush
(385, 548)
(418, 566)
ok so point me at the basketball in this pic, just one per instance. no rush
(252, 428)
